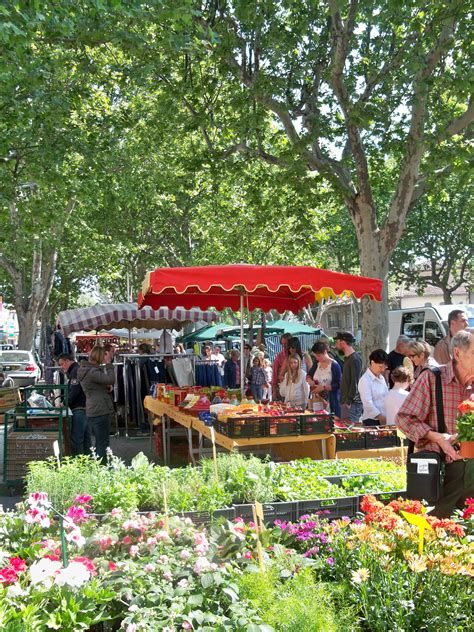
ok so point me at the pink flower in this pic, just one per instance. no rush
(183, 583)
(248, 555)
(168, 576)
(53, 557)
(148, 568)
(38, 499)
(105, 542)
(162, 536)
(112, 566)
(127, 540)
(202, 564)
(37, 516)
(185, 554)
(133, 550)
(77, 514)
(76, 536)
(131, 627)
(83, 499)
(187, 626)
(8, 576)
(17, 564)
(116, 511)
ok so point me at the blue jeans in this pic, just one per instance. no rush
(101, 429)
(352, 412)
(257, 392)
(81, 439)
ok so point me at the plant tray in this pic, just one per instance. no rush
(282, 426)
(329, 508)
(286, 512)
(206, 517)
(350, 441)
(386, 497)
(244, 427)
(381, 438)
(316, 424)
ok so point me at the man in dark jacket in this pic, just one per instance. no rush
(80, 432)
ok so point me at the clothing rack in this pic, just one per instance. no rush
(132, 362)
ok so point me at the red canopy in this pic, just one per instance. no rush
(264, 287)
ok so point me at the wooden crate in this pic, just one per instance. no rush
(23, 447)
(9, 398)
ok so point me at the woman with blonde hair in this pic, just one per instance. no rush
(419, 353)
(96, 381)
(294, 387)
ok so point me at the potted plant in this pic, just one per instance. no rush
(465, 428)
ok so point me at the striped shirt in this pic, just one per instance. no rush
(417, 415)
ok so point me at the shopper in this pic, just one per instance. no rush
(373, 389)
(81, 440)
(294, 388)
(258, 379)
(401, 378)
(267, 367)
(457, 321)
(279, 367)
(232, 370)
(97, 376)
(324, 377)
(419, 353)
(417, 419)
(294, 346)
(351, 405)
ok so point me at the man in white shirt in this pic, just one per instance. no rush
(373, 389)
(401, 378)
(219, 358)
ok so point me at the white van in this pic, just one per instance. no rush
(429, 322)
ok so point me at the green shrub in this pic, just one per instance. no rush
(298, 603)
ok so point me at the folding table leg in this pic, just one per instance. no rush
(190, 445)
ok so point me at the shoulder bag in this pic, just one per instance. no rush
(425, 469)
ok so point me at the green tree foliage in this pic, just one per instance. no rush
(437, 247)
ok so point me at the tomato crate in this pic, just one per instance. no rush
(329, 508)
(317, 424)
(354, 440)
(284, 425)
(246, 427)
(381, 437)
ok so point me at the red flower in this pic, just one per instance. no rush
(52, 557)
(448, 525)
(112, 566)
(466, 407)
(8, 575)
(88, 563)
(17, 564)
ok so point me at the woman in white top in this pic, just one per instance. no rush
(401, 378)
(294, 387)
(373, 389)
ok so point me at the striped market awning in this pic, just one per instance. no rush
(129, 315)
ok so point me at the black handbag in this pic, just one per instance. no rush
(426, 469)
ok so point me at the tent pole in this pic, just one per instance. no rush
(242, 359)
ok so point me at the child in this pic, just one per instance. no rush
(401, 378)
(267, 367)
(258, 379)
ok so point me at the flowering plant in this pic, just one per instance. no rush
(465, 422)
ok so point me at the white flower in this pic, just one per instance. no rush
(183, 583)
(74, 575)
(360, 576)
(202, 564)
(75, 536)
(44, 570)
(15, 590)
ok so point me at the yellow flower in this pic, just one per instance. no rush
(360, 576)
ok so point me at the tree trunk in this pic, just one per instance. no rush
(447, 296)
(374, 262)
(27, 323)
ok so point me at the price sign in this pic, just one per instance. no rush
(418, 521)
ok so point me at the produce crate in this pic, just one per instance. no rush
(381, 437)
(386, 497)
(23, 447)
(206, 517)
(350, 440)
(286, 425)
(329, 508)
(242, 427)
(316, 424)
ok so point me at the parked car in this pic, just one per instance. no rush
(19, 368)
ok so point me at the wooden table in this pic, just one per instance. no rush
(286, 448)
